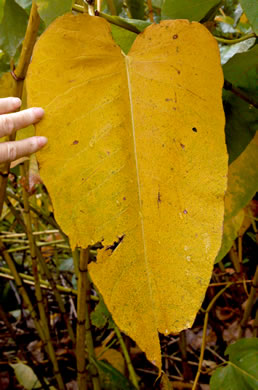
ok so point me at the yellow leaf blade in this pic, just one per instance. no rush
(141, 139)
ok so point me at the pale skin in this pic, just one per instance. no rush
(10, 122)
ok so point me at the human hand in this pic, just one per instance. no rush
(10, 122)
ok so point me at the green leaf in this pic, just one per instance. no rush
(4, 64)
(241, 117)
(100, 315)
(250, 7)
(187, 9)
(49, 10)
(2, 3)
(25, 375)
(241, 370)
(12, 27)
(242, 180)
(136, 8)
(133, 25)
(123, 37)
(112, 378)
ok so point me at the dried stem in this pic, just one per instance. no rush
(241, 94)
(187, 372)
(149, 4)
(57, 295)
(205, 325)
(250, 303)
(38, 292)
(28, 279)
(234, 258)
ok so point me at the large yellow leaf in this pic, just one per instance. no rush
(136, 156)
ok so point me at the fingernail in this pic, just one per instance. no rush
(41, 141)
(38, 111)
(16, 101)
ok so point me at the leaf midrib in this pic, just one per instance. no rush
(127, 66)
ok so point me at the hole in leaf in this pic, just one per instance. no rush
(116, 243)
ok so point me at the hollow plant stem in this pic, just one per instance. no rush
(5, 272)
(83, 331)
(57, 295)
(38, 292)
(89, 339)
(187, 372)
(81, 319)
(132, 373)
(19, 75)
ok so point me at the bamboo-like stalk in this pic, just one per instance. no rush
(89, 339)
(19, 75)
(58, 297)
(249, 305)
(46, 219)
(205, 325)
(26, 300)
(38, 292)
(28, 279)
(187, 372)
(128, 361)
(81, 319)
(39, 233)
(83, 331)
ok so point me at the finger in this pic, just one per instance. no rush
(10, 151)
(9, 104)
(9, 123)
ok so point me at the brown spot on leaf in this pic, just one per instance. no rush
(75, 142)
(182, 146)
(159, 199)
(185, 212)
(194, 129)
(175, 36)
